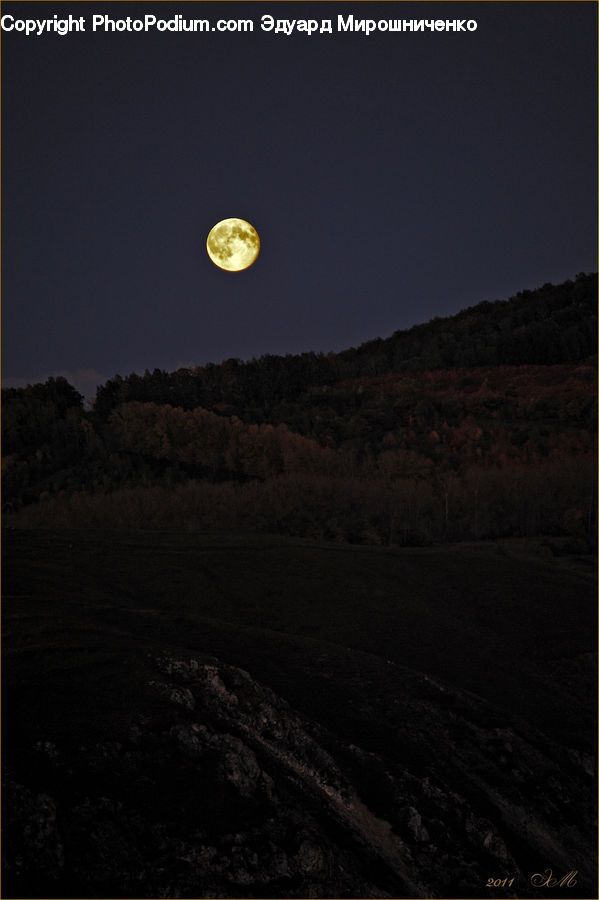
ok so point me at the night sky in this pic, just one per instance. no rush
(392, 178)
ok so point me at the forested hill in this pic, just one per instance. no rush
(553, 324)
(474, 426)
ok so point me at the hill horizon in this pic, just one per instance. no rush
(88, 381)
(419, 329)
(479, 425)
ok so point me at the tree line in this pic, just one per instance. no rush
(405, 456)
(553, 324)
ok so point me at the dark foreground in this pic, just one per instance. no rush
(238, 716)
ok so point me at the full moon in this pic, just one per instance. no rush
(233, 245)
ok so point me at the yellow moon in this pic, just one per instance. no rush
(233, 245)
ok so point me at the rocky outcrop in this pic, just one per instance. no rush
(227, 791)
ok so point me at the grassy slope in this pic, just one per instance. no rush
(82, 610)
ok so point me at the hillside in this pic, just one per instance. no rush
(398, 459)
(365, 446)
(553, 324)
(230, 715)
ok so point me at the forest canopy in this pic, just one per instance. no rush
(479, 425)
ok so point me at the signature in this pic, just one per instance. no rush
(548, 879)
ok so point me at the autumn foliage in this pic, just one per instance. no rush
(396, 457)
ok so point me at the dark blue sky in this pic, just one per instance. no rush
(392, 178)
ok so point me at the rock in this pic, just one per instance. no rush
(180, 696)
(311, 860)
(47, 748)
(237, 765)
(31, 839)
(410, 822)
(226, 790)
(497, 848)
